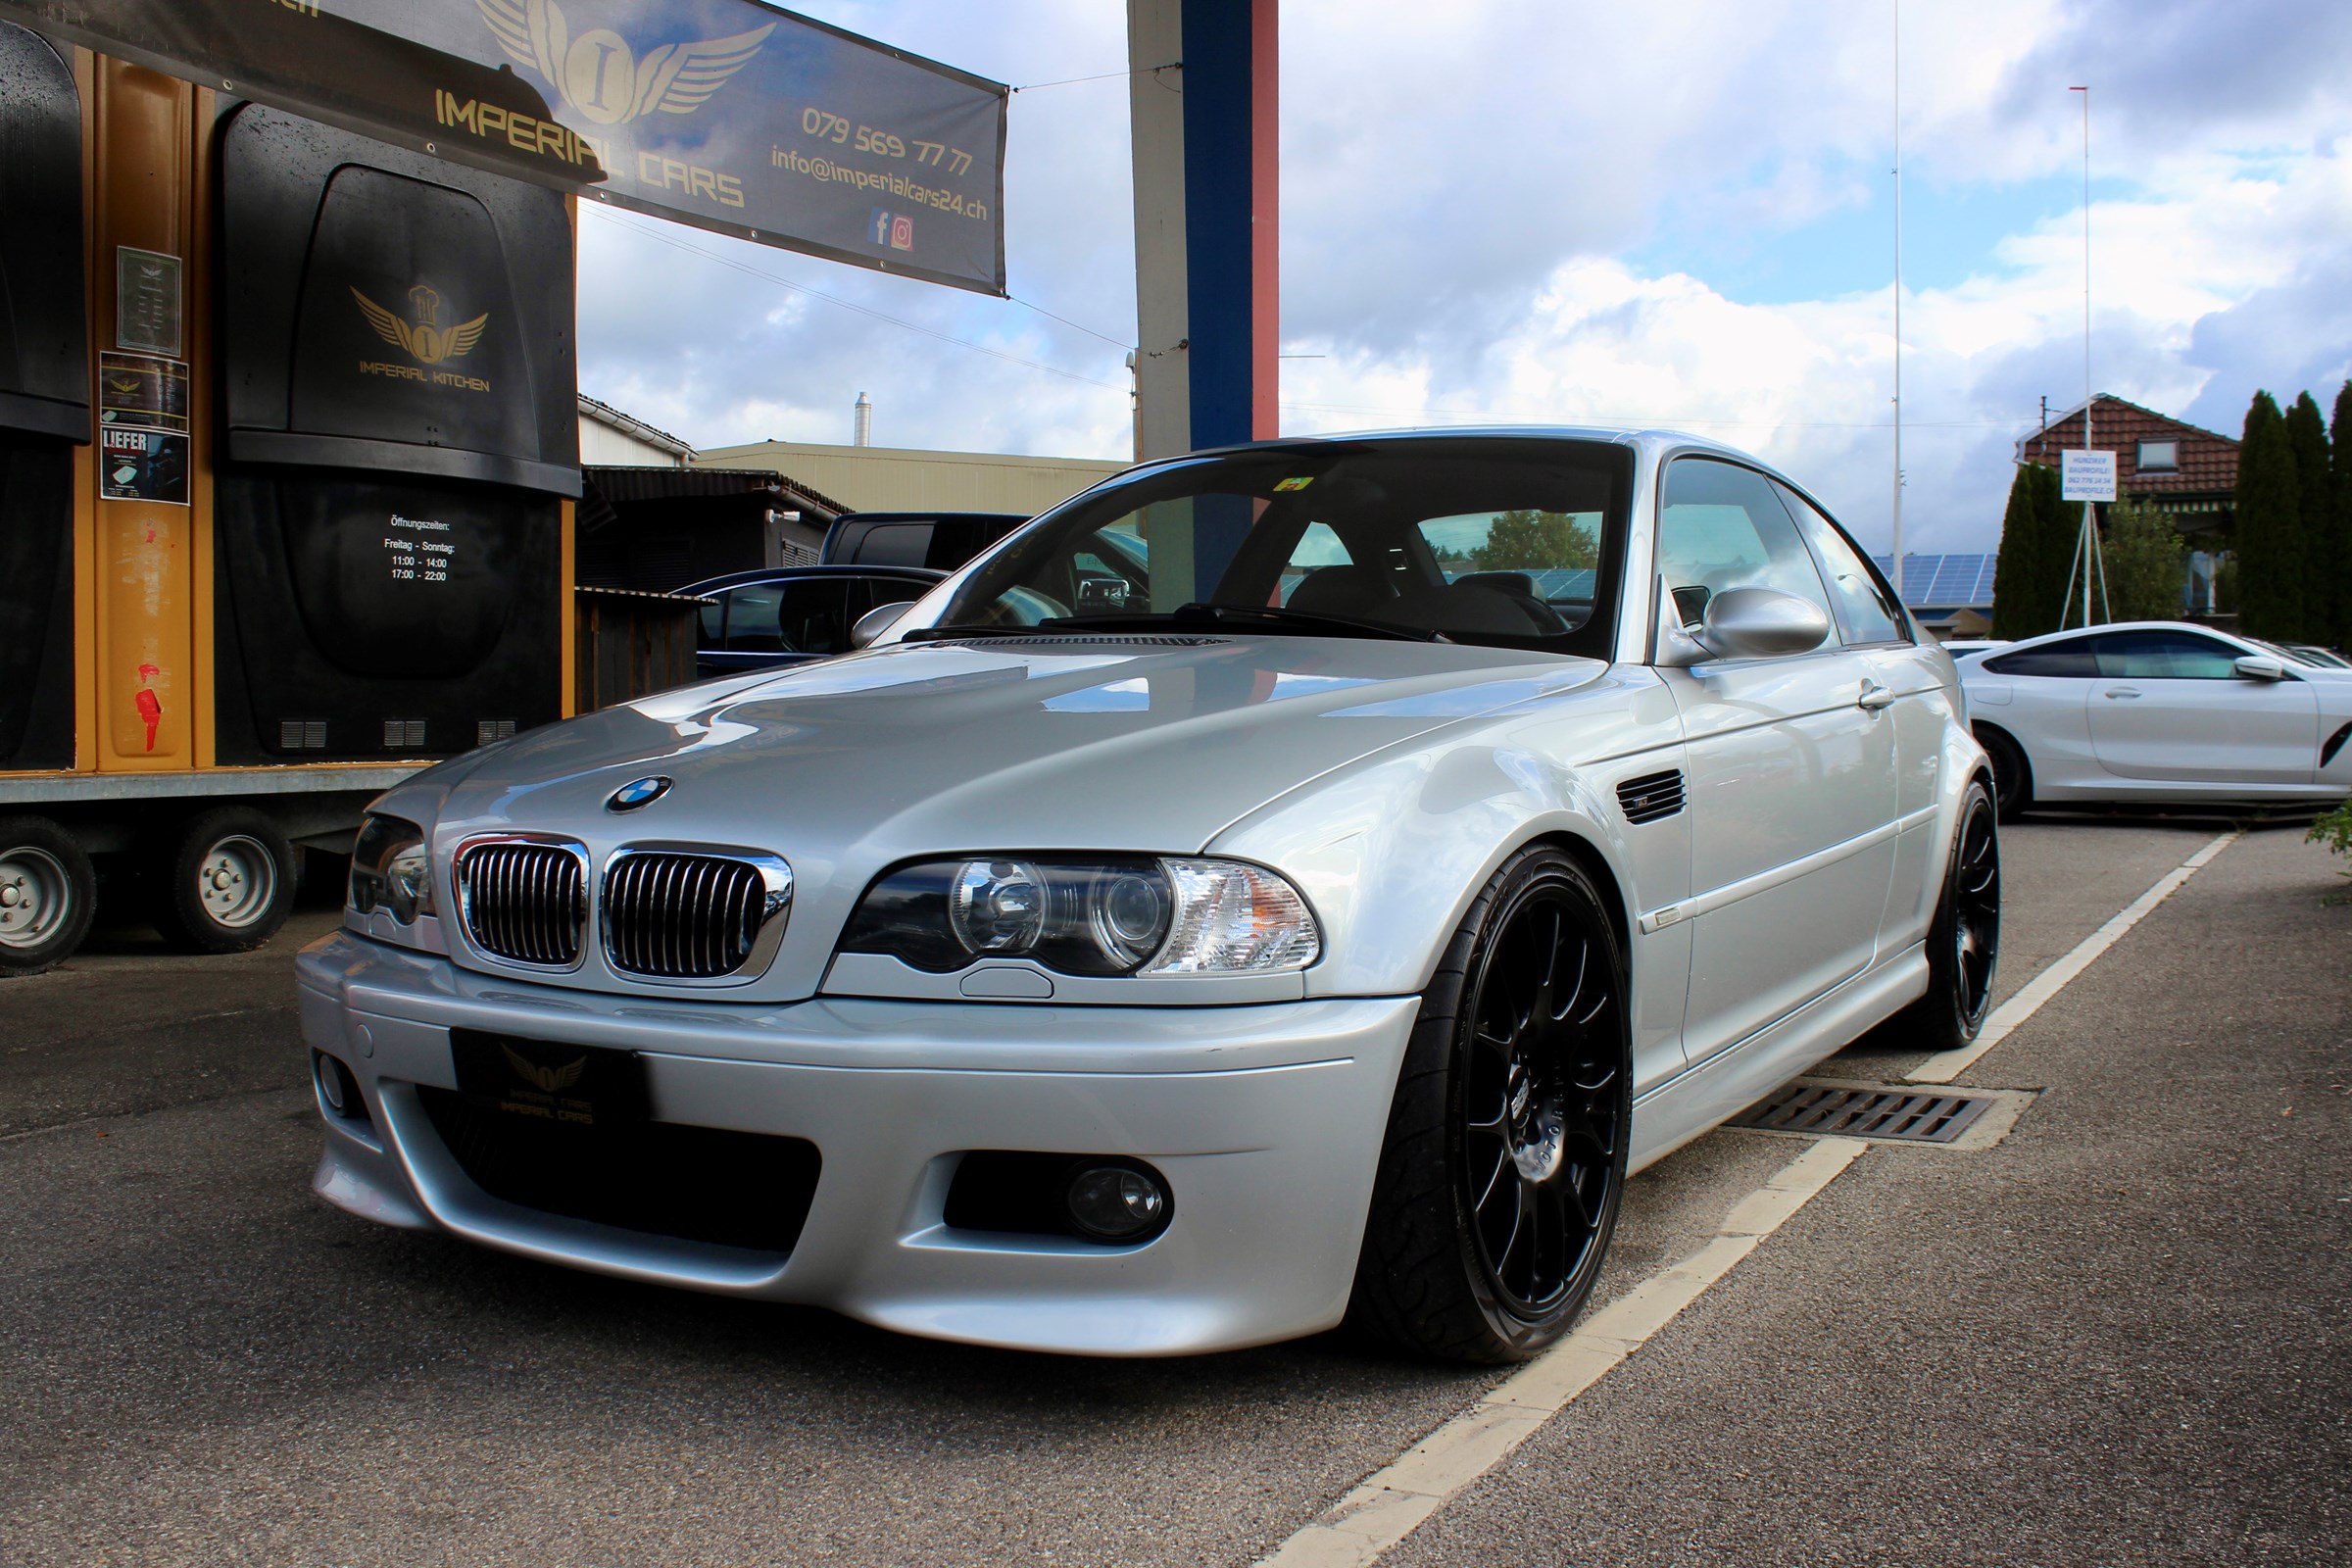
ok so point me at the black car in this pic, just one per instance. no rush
(939, 540)
(786, 614)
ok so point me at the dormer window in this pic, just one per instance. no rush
(2160, 456)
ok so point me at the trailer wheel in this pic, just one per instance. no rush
(229, 885)
(47, 895)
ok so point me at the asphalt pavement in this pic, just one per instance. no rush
(2119, 1336)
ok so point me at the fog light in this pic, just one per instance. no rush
(335, 1084)
(1117, 1202)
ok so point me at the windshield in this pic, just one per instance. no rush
(1508, 541)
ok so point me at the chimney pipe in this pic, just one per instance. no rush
(861, 426)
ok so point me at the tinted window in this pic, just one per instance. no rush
(2165, 656)
(1865, 607)
(1723, 527)
(2067, 659)
(811, 616)
(751, 619)
(893, 544)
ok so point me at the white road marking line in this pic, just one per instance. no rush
(1944, 1066)
(1392, 1501)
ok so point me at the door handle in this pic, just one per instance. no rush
(1873, 697)
(2120, 694)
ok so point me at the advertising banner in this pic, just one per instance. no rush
(728, 115)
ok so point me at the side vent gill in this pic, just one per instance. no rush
(1652, 796)
(2335, 744)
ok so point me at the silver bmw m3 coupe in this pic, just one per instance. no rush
(1281, 886)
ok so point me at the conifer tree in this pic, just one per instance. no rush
(2017, 568)
(2315, 486)
(2269, 518)
(2037, 547)
(2336, 560)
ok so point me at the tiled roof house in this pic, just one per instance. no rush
(2191, 472)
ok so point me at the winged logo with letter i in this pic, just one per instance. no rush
(601, 77)
(424, 340)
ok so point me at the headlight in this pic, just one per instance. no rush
(1095, 916)
(391, 869)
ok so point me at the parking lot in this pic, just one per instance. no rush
(2120, 1334)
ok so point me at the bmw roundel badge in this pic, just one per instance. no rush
(637, 792)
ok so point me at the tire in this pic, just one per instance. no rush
(227, 882)
(2011, 774)
(48, 893)
(1964, 944)
(1507, 1089)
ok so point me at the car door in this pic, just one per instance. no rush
(2169, 703)
(1918, 705)
(1792, 779)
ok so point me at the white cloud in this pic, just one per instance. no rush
(1463, 194)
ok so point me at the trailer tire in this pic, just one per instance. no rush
(227, 882)
(48, 893)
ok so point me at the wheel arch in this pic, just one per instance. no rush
(1588, 855)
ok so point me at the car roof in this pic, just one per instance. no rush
(2127, 626)
(1615, 435)
(736, 580)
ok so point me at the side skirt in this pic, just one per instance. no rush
(1695, 1100)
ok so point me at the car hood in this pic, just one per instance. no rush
(1070, 743)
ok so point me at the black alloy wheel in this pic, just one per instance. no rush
(1964, 945)
(2011, 774)
(1540, 1117)
(1506, 1156)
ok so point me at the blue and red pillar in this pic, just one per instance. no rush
(1204, 107)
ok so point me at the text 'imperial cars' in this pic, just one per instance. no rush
(1279, 887)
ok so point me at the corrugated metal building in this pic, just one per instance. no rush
(900, 480)
(610, 438)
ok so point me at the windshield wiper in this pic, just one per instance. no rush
(976, 629)
(1265, 618)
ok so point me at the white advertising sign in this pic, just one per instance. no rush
(2087, 475)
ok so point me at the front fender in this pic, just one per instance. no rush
(1391, 850)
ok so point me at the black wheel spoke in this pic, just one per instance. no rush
(1485, 1191)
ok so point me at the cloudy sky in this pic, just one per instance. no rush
(1556, 211)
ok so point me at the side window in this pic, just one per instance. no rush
(893, 544)
(2165, 656)
(1723, 527)
(751, 619)
(1866, 611)
(809, 617)
(714, 619)
(2071, 659)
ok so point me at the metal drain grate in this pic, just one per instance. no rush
(1896, 1114)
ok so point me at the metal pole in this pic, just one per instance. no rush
(2088, 548)
(1897, 575)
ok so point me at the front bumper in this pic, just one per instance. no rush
(1267, 1120)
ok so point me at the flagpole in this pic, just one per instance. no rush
(2087, 549)
(1897, 575)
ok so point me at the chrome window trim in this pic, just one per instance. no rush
(464, 906)
(776, 874)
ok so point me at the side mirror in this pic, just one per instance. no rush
(1762, 623)
(877, 621)
(2255, 666)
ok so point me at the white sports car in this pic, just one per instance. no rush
(2160, 712)
(1279, 885)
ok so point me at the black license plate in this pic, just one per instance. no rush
(577, 1086)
